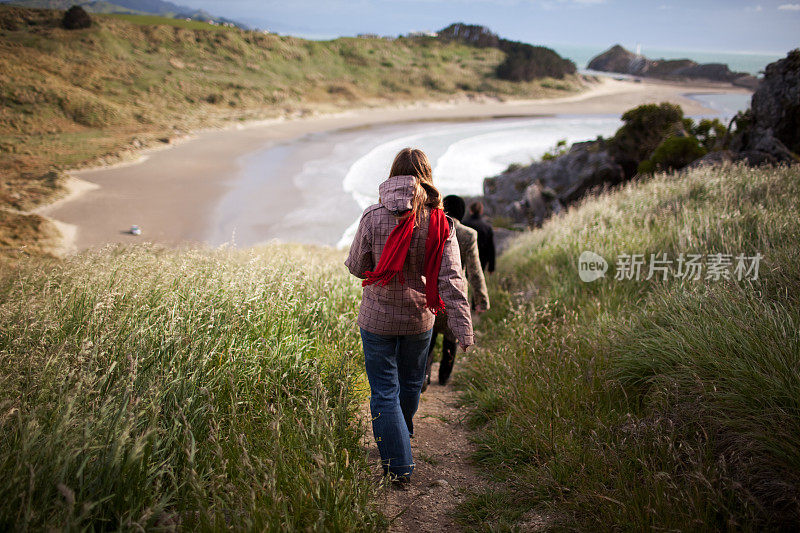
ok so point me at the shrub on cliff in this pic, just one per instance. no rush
(673, 154)
(556, 151)
(525, 62)
(76, 18)
(644, 130)
(710, 133)
(473, 34)
(678, 151)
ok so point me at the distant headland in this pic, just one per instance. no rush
(618, 59)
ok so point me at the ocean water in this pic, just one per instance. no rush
(737, 61)
(727, 105)
(313, 189)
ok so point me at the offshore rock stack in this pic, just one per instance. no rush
(618, 59)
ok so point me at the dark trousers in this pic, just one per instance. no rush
(448, 359)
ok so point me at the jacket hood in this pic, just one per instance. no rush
(397, 193)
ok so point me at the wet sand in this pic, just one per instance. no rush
(172, 194)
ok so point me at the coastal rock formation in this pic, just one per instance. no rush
(654, 137)
(618, 59)
(770, 130)
(529, 195)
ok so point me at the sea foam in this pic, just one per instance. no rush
(464, 154)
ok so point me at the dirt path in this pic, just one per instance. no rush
(443, 475)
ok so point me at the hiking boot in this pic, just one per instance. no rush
(399, 482)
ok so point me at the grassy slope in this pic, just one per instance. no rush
(68, 98)
(626, 405)
(145, 387)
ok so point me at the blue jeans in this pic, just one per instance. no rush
(395, 369)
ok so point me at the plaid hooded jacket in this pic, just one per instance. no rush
(399, 309)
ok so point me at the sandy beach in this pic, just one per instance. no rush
(172, 193)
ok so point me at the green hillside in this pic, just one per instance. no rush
(653, 404)
(74, 97)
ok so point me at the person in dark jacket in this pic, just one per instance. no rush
(476, 221)
(467, 238)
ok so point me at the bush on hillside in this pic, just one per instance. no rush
(479, 36)
(710, 133)
(644, 130)
(673, 154)
(76, 18)
(525, 62)
(678, 151)
(556, 151)
(88, 110)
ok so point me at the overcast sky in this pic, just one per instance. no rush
(715, 25)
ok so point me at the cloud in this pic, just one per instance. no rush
(789, 7)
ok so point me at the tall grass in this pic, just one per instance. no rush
(654, 404)
(142, 388)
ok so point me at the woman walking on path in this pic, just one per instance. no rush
(406, 252)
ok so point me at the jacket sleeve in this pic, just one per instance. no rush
(475, 275)
(359, 259)
(453, 291)
(490, 248)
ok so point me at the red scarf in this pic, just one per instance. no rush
(394, 254)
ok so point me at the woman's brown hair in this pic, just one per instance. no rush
(414, 162)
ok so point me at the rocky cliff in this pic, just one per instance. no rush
(528, 195)
(770, 130)
(655, 137)
(618, 59)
